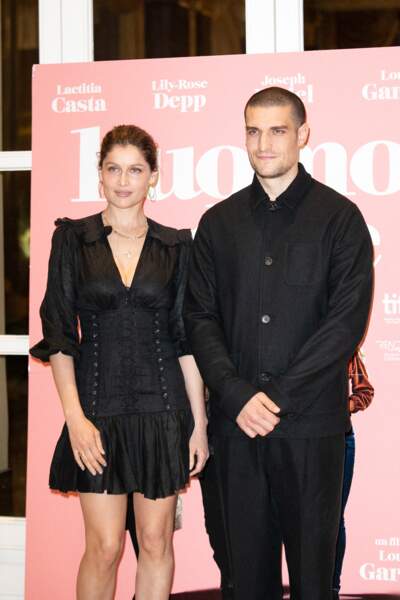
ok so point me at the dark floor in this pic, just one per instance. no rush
(215, 595)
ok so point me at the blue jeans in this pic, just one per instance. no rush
(347, 479)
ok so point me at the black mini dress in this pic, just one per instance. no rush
(125, 343)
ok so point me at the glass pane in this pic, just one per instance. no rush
(16, 215)
(13, 400)
(19, 51)
(332, 24)
(163, 28)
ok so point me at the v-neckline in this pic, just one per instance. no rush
(118, 273)
(131, 285)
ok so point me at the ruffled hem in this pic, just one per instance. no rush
(43, 350)
(146, 453)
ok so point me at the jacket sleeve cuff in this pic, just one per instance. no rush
(272, 390)
(235, 396)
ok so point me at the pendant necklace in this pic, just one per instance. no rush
(133, 238)
(128, 236)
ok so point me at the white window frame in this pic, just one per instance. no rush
(66, 35)
(274, 26)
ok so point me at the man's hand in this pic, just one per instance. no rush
(257, 416)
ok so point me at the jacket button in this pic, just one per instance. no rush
(157, 342)
(159, 359)
(167, 406)
(161, 368)
(265, 319)
(268, 261)
(165, 395)
(265, 377)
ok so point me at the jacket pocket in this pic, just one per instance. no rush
(303, 263)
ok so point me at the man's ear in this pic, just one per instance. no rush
(303, 134)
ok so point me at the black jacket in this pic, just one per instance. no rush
(278, 300)
(125, 341)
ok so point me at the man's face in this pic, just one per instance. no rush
(273, 140)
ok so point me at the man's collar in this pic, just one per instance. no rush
(290, 197)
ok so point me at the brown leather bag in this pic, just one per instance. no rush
(362, 391)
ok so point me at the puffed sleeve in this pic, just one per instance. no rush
(176, 324)
(57, 311)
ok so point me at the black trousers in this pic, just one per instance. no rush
(259, 492)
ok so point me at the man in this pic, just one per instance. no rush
(278, 299)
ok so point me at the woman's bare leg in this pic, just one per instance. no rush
(104, 516)
(154, 528)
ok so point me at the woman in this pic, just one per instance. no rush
(114, 336)
(362, 393)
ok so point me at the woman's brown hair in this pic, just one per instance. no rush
(124, 135)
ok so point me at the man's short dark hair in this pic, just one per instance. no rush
(277, 96)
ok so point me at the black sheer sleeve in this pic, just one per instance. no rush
(176, 324)
(57, 311)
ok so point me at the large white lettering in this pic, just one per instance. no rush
(207, 171)
(182, 167)
(370, 572)
(89, 143)
(363, 166)
(191, 176)
(335, 165)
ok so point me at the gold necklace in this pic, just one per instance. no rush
(128, 236)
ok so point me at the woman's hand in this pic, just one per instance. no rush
(86, 444)
(198, 450)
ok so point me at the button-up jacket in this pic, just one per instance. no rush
(277, 301)
(125, 341)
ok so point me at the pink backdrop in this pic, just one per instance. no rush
(193, 107)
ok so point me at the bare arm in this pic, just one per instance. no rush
(85, 438)
(198, 445)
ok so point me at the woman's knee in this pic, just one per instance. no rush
(105, 551)
(155, 543)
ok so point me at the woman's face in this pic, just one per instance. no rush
(125, 176)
